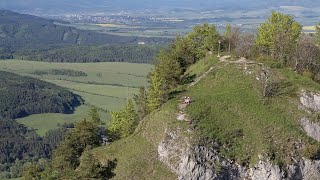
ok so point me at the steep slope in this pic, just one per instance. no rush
(137, 156)
(244, 123)
(21, 96)
(34, 38)
(19, 30)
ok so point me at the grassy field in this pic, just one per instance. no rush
(44, 122)
(107, 73)
(107, 86)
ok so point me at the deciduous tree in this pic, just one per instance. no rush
(123, 123)
(279, 36)
(202, 39)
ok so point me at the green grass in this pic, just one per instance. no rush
(42, 123)
(103, 90)
(202, 66)
(137, 156)
(136, 159)
(228, 107)
(105, 86)
(111, 72)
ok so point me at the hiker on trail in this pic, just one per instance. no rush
(187, 100)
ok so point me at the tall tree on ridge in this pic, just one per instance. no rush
(279, 36)
(228, 34)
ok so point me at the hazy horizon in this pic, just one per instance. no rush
(89, 5)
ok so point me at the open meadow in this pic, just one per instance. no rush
(105, 85)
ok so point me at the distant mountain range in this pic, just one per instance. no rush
(83, 5)
(26, 35)
(21, 29)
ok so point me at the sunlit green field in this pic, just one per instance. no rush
(44, 122)
(106, 86)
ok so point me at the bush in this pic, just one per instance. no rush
(312, 151)
(276, 65)
(307, 73)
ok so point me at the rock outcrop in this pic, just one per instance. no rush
(200, 163)
(311, 128)
(310, 102)
(194, 162)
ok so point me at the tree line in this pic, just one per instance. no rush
(133, 53)
(65, 72)
(20, 146)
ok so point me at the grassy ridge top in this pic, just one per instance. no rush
(228, 108)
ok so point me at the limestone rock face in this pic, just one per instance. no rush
(194, 162)
(265, 170)
(311, 128)
(201, 163)
(310, 101)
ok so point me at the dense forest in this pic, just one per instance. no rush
(31, 37)
(100, 53)
(20, 146)
(21, 96)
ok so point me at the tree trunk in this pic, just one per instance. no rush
(229, 46)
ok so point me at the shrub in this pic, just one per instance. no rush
(312, 151)
(307, 73)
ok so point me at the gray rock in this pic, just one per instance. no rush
(200, 163)
(310, 101)
(265, 170)
(312, 129)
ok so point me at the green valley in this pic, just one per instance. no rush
(106, 86)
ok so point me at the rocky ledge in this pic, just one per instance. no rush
(201, 163)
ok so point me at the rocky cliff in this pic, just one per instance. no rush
(201, 163)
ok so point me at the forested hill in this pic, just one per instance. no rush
(21, 96)
(34, 38)
(19, 30)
